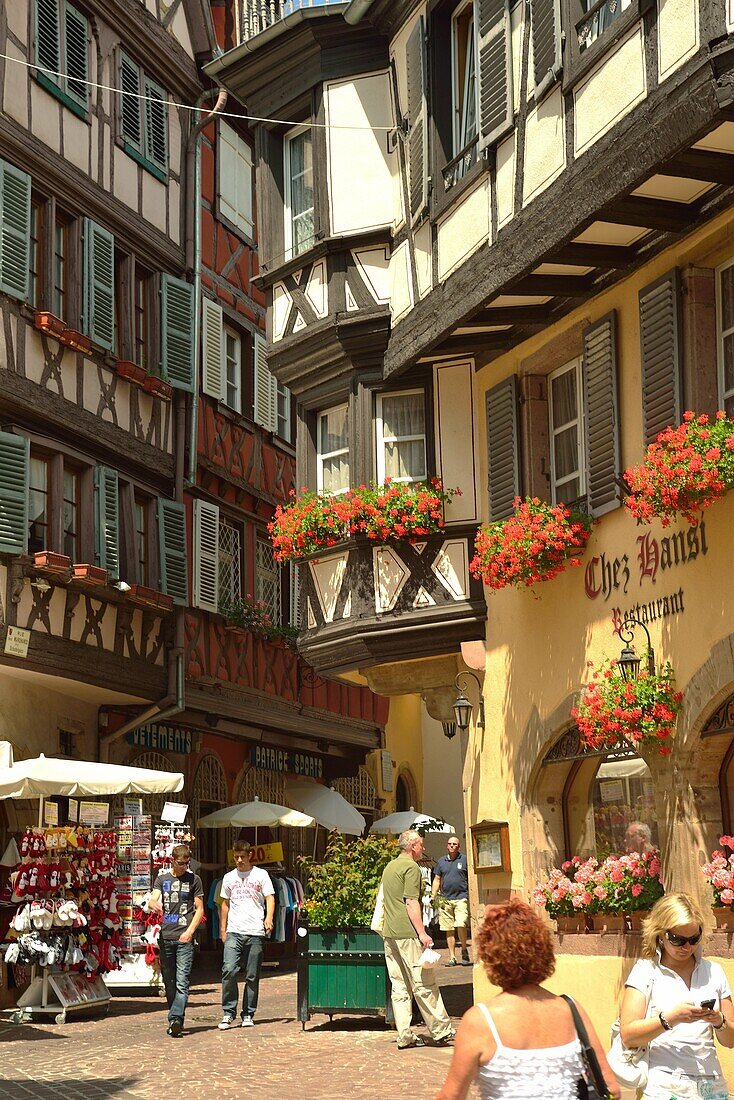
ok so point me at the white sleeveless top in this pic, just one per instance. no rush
(513, 1074)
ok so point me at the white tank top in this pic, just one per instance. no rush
(513, 1074)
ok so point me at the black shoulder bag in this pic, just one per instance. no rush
(592, 1085)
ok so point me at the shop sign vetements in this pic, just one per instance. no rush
(608, 576)
(281, 760)
(163, 738)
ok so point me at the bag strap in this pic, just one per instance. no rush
(589, 1053)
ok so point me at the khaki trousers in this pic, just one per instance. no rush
(408, 980)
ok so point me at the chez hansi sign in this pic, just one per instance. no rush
(607, 576)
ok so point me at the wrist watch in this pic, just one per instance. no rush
(664, 1023)
(718, 1027)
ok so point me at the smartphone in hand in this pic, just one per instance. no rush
(709, 1003)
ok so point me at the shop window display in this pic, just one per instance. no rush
(623, 808)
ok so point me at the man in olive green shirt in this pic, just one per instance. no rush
(405, 939)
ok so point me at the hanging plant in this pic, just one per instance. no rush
(395, 510)
(643, 711)
(535, 544)
(686, 470)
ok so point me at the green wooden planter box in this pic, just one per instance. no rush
(342, 970)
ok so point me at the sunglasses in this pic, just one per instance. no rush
(681, 941)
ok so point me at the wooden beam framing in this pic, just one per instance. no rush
(605, 256)
(558, 286)
(670, 217)
(697, 164)
(512, 315)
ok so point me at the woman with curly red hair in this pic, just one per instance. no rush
(523, 1044)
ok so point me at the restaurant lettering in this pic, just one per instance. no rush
(607, 576)
(281, 760)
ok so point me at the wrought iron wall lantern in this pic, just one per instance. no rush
(629, 661)
(463, 708)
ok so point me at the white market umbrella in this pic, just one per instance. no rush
(410, 819)
(327, 807)
(253, 814)
(46, 776)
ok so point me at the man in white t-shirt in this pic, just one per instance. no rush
(248, 907)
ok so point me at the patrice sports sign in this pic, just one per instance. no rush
(281, 760)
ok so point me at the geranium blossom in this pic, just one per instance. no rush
(720, 873)
(642, 711)
(624, 884)
(685, 470)
(316, 521)
(535, 544)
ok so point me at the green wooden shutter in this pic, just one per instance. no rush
(177, 329)
(99, 285)
(14, 477)
(131, 107)
(172, 549)
(417, 120)
(107, 520)
(15, 230)
(206, 555)
(494, 70)
(212, 349)
(660, 327)
(76, 65)
(503, 447)
(156, 125)
(547, 41)
(601, 409)
(47, 38)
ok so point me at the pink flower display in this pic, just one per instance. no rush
(719, 871)
(622, 884)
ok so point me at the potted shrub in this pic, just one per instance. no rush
(341, 966)
(643, 711)
(719, 873)
(684, 471)
(535, 544)
(394, 510)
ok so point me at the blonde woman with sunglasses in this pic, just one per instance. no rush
(679, 1005)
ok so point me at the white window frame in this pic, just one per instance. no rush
(231, 333)
(321, 457)
(459, 103)
(382, 439)
(580, 472)
(263, 547)
(231, 205)
(287, 141)
(721, 334)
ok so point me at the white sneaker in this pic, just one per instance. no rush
(247, 1021)
(226, 1022)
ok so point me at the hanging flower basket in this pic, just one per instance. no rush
(535, 544)
(395, 510)
(643, 710)
(685, 470)
(719, 873)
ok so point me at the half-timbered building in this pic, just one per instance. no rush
(496, 245)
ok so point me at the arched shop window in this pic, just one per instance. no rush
(152, 803)
(360, 791)
(717, 746)
(606, 798)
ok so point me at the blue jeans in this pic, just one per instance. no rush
(176, 960)
(241, 952)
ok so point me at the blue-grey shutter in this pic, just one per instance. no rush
(547, 32)
(15, 230)
(131, 106)
(107, 520)
(494, 70)
(417, 79)
(601, 408)
(99, 285)
(172, 549)
(14, 476)
(48, 53)
(156, 125)
(177, 332)
(660, 353)
(76, 64)
(503, 447)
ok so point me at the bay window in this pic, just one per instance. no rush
(333, 450)
(401, 436)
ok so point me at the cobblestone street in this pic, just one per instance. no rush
(127, 1052)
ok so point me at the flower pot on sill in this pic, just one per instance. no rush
(609, 922)
(77, 340)
(131, 371)
(92, 574)
(48, 322)
(724, 918)
(158, 387)
(54, 563)
(574, 925)
(147, 597)
(636, 918)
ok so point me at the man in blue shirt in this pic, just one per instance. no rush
(451, 882)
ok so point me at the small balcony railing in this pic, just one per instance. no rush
(257, 15)
(457, 168)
